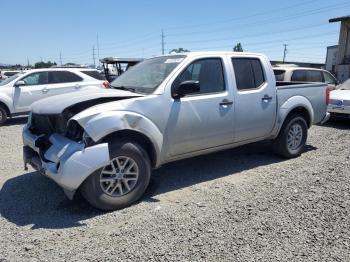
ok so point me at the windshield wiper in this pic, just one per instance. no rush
(124, 88)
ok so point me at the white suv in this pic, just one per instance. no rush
(19, 91)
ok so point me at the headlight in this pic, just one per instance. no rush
(86, 139)
(29, 119)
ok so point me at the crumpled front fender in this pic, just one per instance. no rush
(103, 124)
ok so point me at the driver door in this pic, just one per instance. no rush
(205, 119)
(35, 88)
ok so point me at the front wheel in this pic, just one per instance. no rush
(292, 137)
(123, 181)
(3, 115)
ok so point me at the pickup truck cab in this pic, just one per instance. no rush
(19, 91)
(165, 109)
(305, 75)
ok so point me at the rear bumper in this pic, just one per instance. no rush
(326, 118)
(66, 162)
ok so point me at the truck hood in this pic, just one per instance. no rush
(82, 99)
(340, 94)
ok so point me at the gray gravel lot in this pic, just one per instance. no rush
(241, 205)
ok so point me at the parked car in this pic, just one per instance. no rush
(165, 109)
(306, 75)
(6, 74)
(339, 105)
(19, 91)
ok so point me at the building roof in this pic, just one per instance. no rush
(339, 19)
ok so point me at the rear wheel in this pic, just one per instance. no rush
(3, 115)
(123, 181)
(292, 137)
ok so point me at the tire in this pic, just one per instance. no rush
(295, 129)
(3, 116)
(100, 193)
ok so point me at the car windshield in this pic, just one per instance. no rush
(8, 80)
(146, 76)
(345, 85)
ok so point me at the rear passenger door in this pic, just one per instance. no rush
(255, 100)
(62, 82)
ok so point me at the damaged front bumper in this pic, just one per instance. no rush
(65, 161)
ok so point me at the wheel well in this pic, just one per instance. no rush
(4, 106)
(302, 111)
(137, 137)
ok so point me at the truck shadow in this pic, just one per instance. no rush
(338, 123)
(32, 199)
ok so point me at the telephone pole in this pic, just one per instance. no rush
(163, 42)
(61, 58)
(93, 55)
(285, 52)
(98, 51)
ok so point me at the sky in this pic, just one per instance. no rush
(38, 30)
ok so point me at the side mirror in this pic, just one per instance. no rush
(20, 83)
(185, 88)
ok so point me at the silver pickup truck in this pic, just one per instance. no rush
(164, 109)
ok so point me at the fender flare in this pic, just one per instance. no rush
(290, 105)
(6, 100)
(110, 122)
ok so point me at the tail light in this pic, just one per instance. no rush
(328, 92)
(105, 84)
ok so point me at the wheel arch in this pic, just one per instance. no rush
(296, 105)
(7, 109)
(137, 137)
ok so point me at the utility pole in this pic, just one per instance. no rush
(61, 58)
(27, 62)
(285, 52)
(163, 42)
(93, 55)
(98, 51)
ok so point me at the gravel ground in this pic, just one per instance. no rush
(241, 205)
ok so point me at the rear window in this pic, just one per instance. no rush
(307, 76)
(94, 74)
(56, 77)
(314, 76)
(279, 74)
(299, 76)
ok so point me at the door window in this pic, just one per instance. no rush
(249, 73)
(56, 77)
(328, 79)
(39, 78)
(209, 73)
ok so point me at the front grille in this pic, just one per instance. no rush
(47, 124)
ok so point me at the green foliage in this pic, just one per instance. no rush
(179, 50)
(238, 48)
(44, 64)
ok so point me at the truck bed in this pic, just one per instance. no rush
(313, 92)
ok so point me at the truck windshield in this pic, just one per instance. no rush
(146, 76)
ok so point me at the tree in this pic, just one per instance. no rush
(238, 48)
(179, 50)
(44, 64)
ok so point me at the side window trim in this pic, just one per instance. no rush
(222, 70)
(262, 69)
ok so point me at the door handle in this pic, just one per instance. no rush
(45, 90)
(226, 102)
(266, 98)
